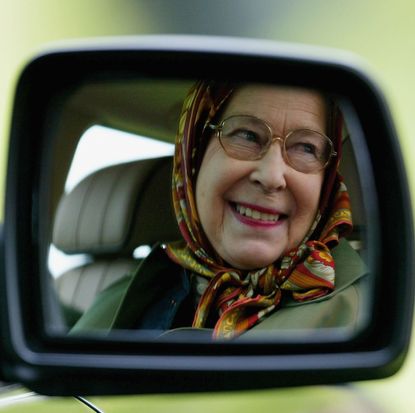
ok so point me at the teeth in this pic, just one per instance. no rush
(255, 214)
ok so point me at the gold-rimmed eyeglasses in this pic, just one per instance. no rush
(247, 137)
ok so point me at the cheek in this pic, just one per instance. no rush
(307, 193)
(208, 183)
(218, 176)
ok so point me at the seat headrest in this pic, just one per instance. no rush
(118, 208)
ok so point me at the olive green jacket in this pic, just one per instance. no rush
(121, 304)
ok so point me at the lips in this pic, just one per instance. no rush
(257, 213)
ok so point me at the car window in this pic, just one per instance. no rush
(115, 146)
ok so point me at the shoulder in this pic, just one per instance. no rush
(101, 313)
(343, 309)
(115, 306)
(350, 267)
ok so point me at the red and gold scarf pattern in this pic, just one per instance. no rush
(236, 300)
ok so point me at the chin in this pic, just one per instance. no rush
(254, 261)
(251, 254)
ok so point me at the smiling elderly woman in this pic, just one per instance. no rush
(261, 208)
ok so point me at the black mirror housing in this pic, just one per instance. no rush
(114, 364)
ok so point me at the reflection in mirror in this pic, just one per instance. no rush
(264, 181)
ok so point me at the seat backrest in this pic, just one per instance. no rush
(107, 216)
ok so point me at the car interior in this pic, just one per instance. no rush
(119, 207)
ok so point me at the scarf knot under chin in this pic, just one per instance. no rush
(234, 300)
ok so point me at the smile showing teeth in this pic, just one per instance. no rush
(255, 214)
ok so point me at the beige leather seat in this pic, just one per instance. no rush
(107, 216)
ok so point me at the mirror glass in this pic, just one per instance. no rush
(261, 209)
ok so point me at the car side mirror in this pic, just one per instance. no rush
(138, 86)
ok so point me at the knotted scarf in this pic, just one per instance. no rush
(235, 300)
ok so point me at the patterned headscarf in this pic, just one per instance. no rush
(235, 300)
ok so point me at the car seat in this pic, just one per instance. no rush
(107, 216)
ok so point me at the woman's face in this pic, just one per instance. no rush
(254, 211)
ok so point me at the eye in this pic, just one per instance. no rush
(305, 148)
(246, 135)
(245, 132)
(307, 145)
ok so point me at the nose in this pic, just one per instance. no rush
(270, 171)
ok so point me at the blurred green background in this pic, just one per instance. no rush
(382, 32)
